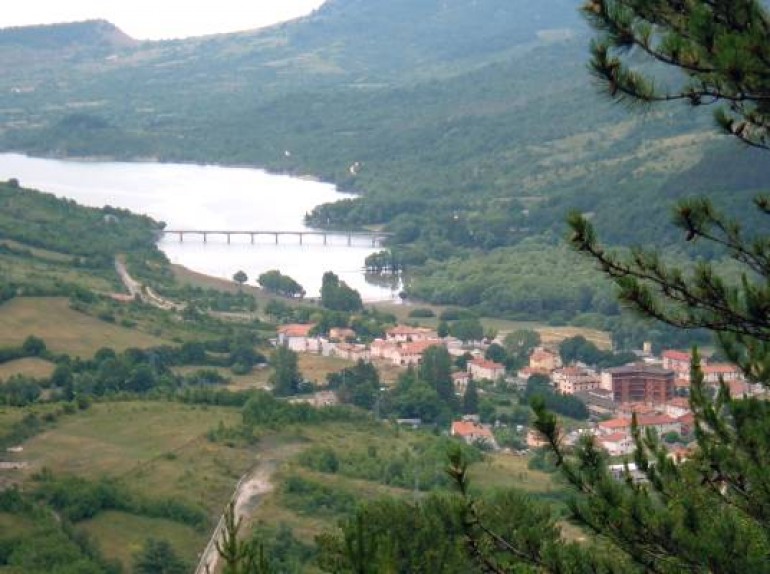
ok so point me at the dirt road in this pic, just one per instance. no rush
(248, 493)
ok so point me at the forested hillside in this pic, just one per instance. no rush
(466, 126)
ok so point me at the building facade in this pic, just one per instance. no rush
(639, 384)
(573, 379)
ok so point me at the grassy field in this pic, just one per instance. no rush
(48, 274)
(257, 379)
(65, 330)
(316, 367)
(37, 252)
(307, 526)
(157, 450)
(124, 438)
(29, 367)
(188, 277)
(15, 525)
(121, 535)
(501, 470)
(313, 368)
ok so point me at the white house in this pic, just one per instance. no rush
(662, 424)
(483, 369)
(574, 379)
(406, 334)
(472, 432)
(297, 338)
(352, 352)
(616, 444)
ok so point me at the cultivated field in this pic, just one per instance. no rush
(64, 330)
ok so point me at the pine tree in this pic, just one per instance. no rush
(710, 513)
(721, 47)
(239, 556)
(471, 399)
(285, 378)
(436, 370)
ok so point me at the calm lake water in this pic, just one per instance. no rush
(217, 198)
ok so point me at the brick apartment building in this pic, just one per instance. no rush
(639, 384)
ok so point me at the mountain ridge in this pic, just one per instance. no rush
(96, 33)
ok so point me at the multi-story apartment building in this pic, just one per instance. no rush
(639, 384)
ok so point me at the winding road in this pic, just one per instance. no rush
(136, 289)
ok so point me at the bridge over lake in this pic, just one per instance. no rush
(375, 238)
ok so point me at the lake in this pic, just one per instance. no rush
(188, 196)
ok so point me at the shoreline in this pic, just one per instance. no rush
(160, 161)
(203, 280)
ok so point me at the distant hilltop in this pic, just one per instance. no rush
(90, 33)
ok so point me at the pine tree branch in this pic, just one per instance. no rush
(707, 305)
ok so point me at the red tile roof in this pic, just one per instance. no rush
(650, 420)
(571, 371)
(469, 428)
(341, 333)
(614, 437)
(484, 364)
(296, 330)
(676, 355)
(638, 408)
(720, 369)
(406, 330)
(417, 347)
(615, 424)
(738, 388)
(687, 419)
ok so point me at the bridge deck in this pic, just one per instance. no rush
(375, 237)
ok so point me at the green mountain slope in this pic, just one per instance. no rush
(467, 126)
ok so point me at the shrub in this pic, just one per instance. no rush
(421, 312)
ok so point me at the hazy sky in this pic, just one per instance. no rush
(157, 19)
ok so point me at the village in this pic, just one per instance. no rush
(654, 389)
